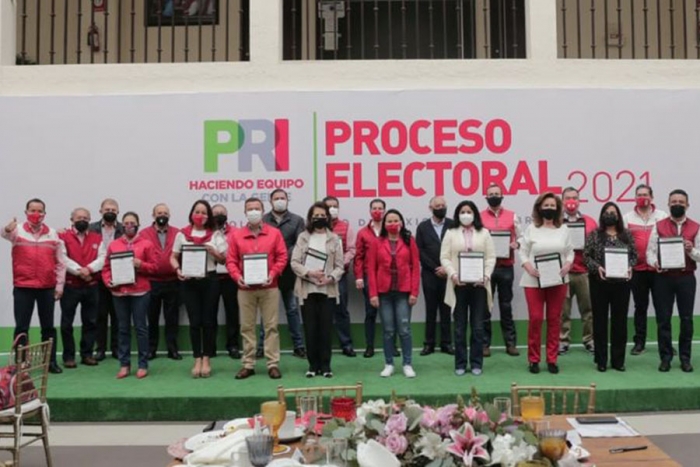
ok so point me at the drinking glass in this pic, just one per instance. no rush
(273, 413)
(308, 404)
(553, 444)
(260, 449)
(539, 426)
(502, 404)
(532, 407)
(336, 452)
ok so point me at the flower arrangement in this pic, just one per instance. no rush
(453, 435)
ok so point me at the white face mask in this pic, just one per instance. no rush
(279, 205)
(254, 216)
(334, 212)
(466, 219)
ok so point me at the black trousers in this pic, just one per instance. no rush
(87, 298)
(201, 298)
(502, 282)
(165, 296)
(434, 294)
(106, 320)
(642, 286)
(24, 300)
(681, 289)
(610, 301)
(317, 314)
(229, 294)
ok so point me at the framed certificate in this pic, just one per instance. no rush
(471, 267)
(671, 253)
(617, 263)
(255, 269)
(549, 266)
(193, 262)
(122, 265)
(315, 260)
(501, 242)
(577, 231)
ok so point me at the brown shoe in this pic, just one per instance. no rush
(70, 364)
(513, 351)
(89, 361)
(487, 351)
(274, 373)
(245, 373)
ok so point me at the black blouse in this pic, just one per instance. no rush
(596, 242)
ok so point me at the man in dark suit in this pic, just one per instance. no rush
(428, 238)
(110, 230)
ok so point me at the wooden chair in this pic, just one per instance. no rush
(30, 419)
(559, 400)
(323, 393)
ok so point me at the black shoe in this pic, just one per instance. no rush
(563, 349)
(174, 355)
(619, 368)
(686, 367)
(349, 352)
(602, 368)
(534, 368)
(448, 349)
(260, 353)
(552, 368)
(152, 355)
(100, 355)
(638, 349)
(397, 352)
(664, 367)
(369, 352)
(427, 350)
(234, 353)
(55, 369)
(590, 348)
(300, 352)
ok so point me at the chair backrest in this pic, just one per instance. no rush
(32, 372)
(323, 393)
(559, 400)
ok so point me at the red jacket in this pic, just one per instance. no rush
(505, 220)
(578, 266)
(85, 254)
(379, 267)
(244, 242)
(164, 271)
(143, 250)
(38, 262)
(365, 238)
(689, 230)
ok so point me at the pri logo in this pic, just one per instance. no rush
(267, 140)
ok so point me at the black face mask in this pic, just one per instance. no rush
(494, 201)
(548, 214)
(440, 213)
(81, 226)
(221, 219)
(608, 220)
(109, 217)
(677, 211)
(162, 221)
(319, 223)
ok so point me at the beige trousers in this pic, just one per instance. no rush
(578, 286)
(267, 301)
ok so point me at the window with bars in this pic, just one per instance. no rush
(403, 29)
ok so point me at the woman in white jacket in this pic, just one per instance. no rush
(468, 301)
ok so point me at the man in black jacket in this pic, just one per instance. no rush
(428, 239)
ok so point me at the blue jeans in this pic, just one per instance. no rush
(370, 316)
(136, 307)
(470, 307)
(341, 317)
(395, 314)
(291, 306)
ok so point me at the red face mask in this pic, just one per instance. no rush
(393, 228)
(572, 205)
(377, 215)
(199, 219)
(35, 218)
(642, 202)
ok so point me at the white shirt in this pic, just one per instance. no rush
(218, 241)
(541, 241)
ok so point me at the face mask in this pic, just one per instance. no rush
(548, 214)
(494, 201)
(393, 228)
(130, 231)
(440, 213)
(642, 202)
(199, 219)
(221, 219)
(81, 226)
(334, 212)
(609, 219)
(35, 218)
(572, 205)
(319, 222)
(466, 219)
(279, 205)
(677, 211)
(254, 216)
(377, 215)
(162, 221)
(109, 217)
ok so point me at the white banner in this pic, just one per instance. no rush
(402, 146)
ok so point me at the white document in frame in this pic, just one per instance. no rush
(471, 267)
(315, 260)
(501, 243)
(123, 271)
(577, 230)
(549, 267)
(617, 263)
(671, 253)
(255, 269)
(194, 261)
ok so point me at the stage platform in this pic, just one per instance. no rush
(169, 393)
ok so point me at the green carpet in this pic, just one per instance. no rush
(170, 394)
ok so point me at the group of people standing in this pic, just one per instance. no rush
(306, 264)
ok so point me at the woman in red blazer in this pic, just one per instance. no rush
(393, 271)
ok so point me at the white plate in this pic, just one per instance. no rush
(298, 434)
(200, 440)
(579, 452)
(236, 424)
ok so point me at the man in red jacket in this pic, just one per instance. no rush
(38, 274)
(85, 257)
(250, 246)
(164, 284)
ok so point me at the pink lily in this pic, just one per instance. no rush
(468, 445)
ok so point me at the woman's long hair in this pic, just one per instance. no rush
(619, 226)
(405, 234)
(477, 224)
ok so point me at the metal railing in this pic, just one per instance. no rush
(131, 31)
(629, 29)
(403, 29)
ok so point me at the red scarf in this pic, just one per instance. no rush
(187, 232)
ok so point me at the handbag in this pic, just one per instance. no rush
(14, 378)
